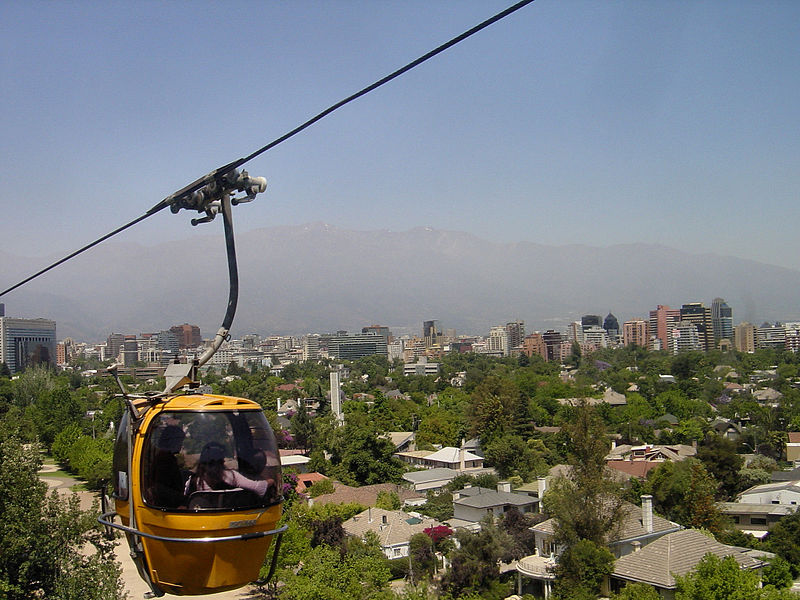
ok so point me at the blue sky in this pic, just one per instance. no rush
(597, 123)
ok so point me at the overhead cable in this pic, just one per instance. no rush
(216, 173)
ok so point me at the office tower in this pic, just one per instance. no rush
(27, 342)
(591, 321)
(379, 330)
(611, 325)
(700, 315)
(595, 337)
(744, 337)
(552, 341)
(636, 332)
(662, 320)
(721, 320)
(516, 333)
(357, 345)
(168, 341)
(188, 335)
(685, 338)
(771, 336)
(430, 333)
(114, 345)
(130, 351)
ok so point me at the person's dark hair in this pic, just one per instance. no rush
(211, 467)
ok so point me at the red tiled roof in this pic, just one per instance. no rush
(634, 468)
(366, 495)
(306, 480)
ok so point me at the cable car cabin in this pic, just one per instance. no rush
(206, 468)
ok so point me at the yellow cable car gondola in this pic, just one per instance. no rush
(197, 479)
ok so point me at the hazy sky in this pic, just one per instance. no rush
(597, 123)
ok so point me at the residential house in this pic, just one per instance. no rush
(755, 519)
(430, 479)
(727, 428)
(793, 448)
(473, 504)
(677, 553)
(792, 475)
(638, 461)
(403, 440)
(639, 527)
(366, 494)
(394, 528)
(785, 492)
(461, 460)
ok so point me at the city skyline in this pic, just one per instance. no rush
(566, 123)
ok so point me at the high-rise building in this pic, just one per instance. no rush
(721, 320)
(553, 341)
(744, 337)
(591, 321)
(534, 344)
(378, 330)
(168, 342)
(130, 351)
(357, 345)
(611, 325)
(311, 347)
(114, 345)
(516, 333)
(662, 321)
(792, 336)
(430, 333)
(685, 338)
(188, 336)
(636, 332)
(498, 341)
(27, 342)
(771, 336)
(700, 315)
(595, 338)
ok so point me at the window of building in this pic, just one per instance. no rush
(758, 521)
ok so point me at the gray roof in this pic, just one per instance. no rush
(773, 487)
(631, 527)
(438, 474)
(398, 528)
(793, 475)
(676, 554)
(750, 508)
(478, 497)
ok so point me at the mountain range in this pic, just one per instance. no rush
(319, 278)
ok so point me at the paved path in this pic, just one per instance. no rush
(134, 585)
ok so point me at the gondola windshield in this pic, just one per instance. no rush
(195, 461)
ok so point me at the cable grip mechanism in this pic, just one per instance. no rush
(208, 199)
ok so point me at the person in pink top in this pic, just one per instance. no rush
(211, 474)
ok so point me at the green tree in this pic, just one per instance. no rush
(327, 574)
(719, 456)
(388, 500)
(703, 512)
(782, 540)
(717, 578)
(586, 504)
(637, 591)
(581, 570)
(44, 539)
(474, 565)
